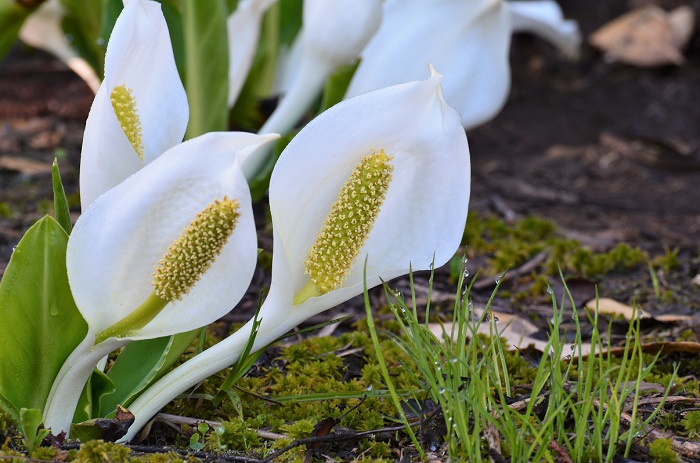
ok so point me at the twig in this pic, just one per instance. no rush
(177, 419)
(336, 436)
(527, 267)
(148, 449)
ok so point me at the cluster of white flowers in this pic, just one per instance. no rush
(141, 186)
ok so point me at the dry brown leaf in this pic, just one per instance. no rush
(682, 21)
(609, 306)
(517, 331)
(670, 318)
(24, 165)
(646, 36)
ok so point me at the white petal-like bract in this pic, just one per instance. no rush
(140, 58)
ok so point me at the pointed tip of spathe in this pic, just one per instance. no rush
(271, 136)
(434, 72)
(436, 78)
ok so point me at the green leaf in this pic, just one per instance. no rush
(82, 21)
(8, 407)
(40, 323)
(110, 12)
(290, 12)
(12, 16)
(206, 58)
(97, 386)
(29, 423)
(173, 17)
(336, 86)
(60, 202)
(261, 182)
(139, 365)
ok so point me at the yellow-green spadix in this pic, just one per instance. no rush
(420, 166)
(139, 265)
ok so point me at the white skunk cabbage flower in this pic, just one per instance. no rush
(545, 18)
(467, 40)
(333, 34)
(170, 249)
(140, 110)
(243, 27)
(381, 179)
(42, 30)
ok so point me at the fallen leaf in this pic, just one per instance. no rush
(607, 306)
(517, 331)
(26, 166)
(646, 36)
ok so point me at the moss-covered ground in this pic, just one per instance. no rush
(312, 386)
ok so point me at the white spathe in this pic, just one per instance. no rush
(333, 34)
(421, 221)
(545, 18)
(139, 56)
(116, 243)
(468, 41)
(121, 237)
(243, 27)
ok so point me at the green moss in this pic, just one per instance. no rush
(691, 423)
(44, 453)
(509, 246)
(299, 429)
(669, 261)
(662, 451)
(170, 457)
(98, 451)
(232, 435)
(6, 421)
(6, 452)
(5, 211)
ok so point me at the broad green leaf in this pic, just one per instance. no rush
(29, 422)
(231, 6)
(110, 12)
(8, 407)
(140, 364)
(206, 58)
(290, 12)
(336, 86)
(60, 202)
(40, 323)
(97, 386)
(260, 183)
(173, 17)
(82, 22)
(12, 16)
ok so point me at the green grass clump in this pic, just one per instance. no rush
(575, 403)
